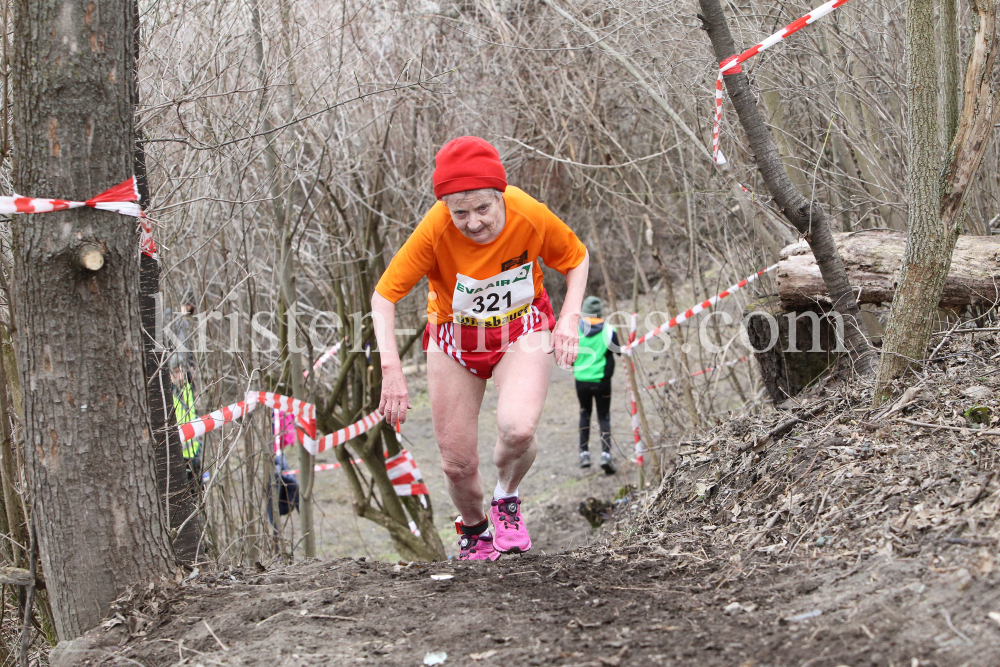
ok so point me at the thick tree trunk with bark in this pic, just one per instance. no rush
(936, 198)
(806, 216)
(929, 245)
(88, 446)
(873, 260)
(949, 70)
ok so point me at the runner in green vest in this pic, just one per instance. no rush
(593, 369)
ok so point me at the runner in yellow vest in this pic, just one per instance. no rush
(184, 411)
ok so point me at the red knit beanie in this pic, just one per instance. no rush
(467, 163)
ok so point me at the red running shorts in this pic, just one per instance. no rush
(479, 349)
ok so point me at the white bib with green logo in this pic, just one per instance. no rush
(494, 301)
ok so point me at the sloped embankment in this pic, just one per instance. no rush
(895, 510)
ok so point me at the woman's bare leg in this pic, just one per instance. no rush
(456, 398)
(522, 382)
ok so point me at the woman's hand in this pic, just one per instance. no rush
(395, 400)
(566, 336)
(566, 340)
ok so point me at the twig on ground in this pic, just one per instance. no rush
(947, 618)
(262, 622)
(982, 488)
(970, 542)
(961, 331)
(970, 431)
(783, 428)
(767, 527)
(946, 335)
(214, 636)
(903, 401)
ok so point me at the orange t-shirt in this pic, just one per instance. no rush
(490, 283)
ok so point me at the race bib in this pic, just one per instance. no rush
(495, 301)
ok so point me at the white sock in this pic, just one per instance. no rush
(499, 493)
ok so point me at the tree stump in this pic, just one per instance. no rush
(792, 348)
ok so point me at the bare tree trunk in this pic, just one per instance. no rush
(936, 199)
(806, 216)
(171, 469)
(928, 244)
(88, 447)
(623, 340)
(288, 294)
(949, 69)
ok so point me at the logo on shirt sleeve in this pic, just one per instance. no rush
(515, 262)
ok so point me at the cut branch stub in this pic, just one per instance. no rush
(91, 257)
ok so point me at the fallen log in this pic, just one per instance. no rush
(873, 259)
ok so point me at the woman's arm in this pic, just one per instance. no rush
(566, 337)
(395, 398)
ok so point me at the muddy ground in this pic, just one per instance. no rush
(852, 537)
(596, 607)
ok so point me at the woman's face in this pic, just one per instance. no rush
(478, 214)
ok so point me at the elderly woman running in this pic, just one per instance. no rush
(488, 315)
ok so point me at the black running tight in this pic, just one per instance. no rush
(590, 393)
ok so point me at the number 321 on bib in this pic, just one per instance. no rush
(494, 301)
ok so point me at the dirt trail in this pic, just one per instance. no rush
(588, 608)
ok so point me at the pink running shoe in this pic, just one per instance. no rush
(511, 533)
(477, 547)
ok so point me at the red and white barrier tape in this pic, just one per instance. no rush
(213, 420)
(122, 199)
(325, 357)
(363, 425)
(731, 65)
(301, 409)
(633, 408)
(691, 312)
(405, 475)
(306, 412)
(402, 468)
(697, 373)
